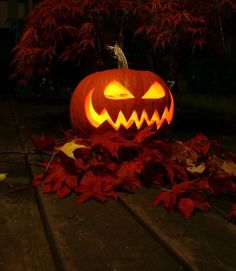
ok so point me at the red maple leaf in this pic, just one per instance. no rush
(38, 180)
(171, 169)
(129, 172)
(169, 198)
(80, 165)
(148, 154)
(63, 192)
(97, 187)
(163, 197)
(130, 168)
(203, 184)
(111, 166)
(43, 142)
(200, 143)
(163, 146)
(58, 179)
(174, 171)
(144, 134)
(186, 206)
(111, 142)
(203, 205)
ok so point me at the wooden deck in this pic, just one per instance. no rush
(40, 232)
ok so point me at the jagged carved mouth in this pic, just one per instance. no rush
(97, 119)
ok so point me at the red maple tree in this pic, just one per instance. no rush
(66, 31)
(218, 15)
(57, 31)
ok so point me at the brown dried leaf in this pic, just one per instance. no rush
(229, 167)
(183, 154)
(196, 169)
(214, 162)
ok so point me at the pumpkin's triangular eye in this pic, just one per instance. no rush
(156, 91)
(117, 91)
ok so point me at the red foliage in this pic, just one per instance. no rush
(58, 178)
(100, 169)
(43, 142)
(111, 142)
(97, 187)
(200, 143)
(57, 31)
(188, 205)
(184, 197)
(144, 134)
(170, 198)
(168, 22)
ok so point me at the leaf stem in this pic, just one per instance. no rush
(50, 161)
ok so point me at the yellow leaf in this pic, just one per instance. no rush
(69, 147)
(229, 167)
(3, 176)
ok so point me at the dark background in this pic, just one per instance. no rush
(204, 87)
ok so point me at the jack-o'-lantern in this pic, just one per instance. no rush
(121, 99)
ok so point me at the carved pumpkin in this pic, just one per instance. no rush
(121, 99)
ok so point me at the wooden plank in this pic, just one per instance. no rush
(8, 140)
(93, 236)
(22, 239)
(3, 14)
(206, 241)
(23, 242)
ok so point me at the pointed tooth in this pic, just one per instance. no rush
(121, 120)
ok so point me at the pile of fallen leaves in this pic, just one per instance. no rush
(186, 174)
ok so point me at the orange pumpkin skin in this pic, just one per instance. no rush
(121, 99)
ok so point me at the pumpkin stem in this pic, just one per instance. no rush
(119, 55)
